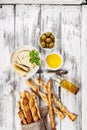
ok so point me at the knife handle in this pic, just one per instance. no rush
(58, 72)
(61, 71)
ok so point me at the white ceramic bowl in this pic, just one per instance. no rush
(14, 53)
(57, 67)
(46, 49)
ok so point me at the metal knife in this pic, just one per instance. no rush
(57, 72)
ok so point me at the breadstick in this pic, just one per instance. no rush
(62, 108)
(27, 95)
(22, 95)
(44, 86)
(21, 115)
(33, 108)
(51, 113)
(26, 110)
(43, 96)
(38, 112)
(33, 105)
(36, 90)
(18, 105)
(41, 83)
(59, 113)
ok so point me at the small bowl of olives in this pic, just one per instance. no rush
(47, 41)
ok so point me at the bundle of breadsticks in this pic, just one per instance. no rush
(50, 100)
(28, 108)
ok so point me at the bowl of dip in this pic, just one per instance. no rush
(20, 61)
(54, 61)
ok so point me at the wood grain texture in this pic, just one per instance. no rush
(83, 67)
(21, 25)
(71, 52)
(42, 1)
(6, 46)
(51, 22)
(27, 29)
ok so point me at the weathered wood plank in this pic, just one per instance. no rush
(65, 23)
(6, 46)
(51, 21)
(42, 1)
(1, 72)
(71, 51)
(27, 29)
(84, 67)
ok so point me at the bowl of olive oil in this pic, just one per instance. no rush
(54, 61)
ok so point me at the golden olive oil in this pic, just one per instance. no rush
(53, 60)
(68, 85)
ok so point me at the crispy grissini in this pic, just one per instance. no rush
(18, 105)
(36, 90)
(32, 104)
(34, 109)
(21, 115)
(27, 95)
(63, 109)
(41, 83)
(26, 110)
(44, 97)
(38, 112)
(57, 102)
(22, 95)
(51, 112)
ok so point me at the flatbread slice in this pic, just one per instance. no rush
(22, 67)
(24, 59)
(19, 70)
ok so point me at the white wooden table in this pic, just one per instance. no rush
(22, 24)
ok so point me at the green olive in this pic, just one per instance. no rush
(48, 40)
(51, 41)
(47, 45)
(51, 45)
(43, 37)
(48, 34)
(43, 44)
(52, 37)
(40, 39)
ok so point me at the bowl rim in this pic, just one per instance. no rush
(46, 49)
(48, 65)
(25, 48)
